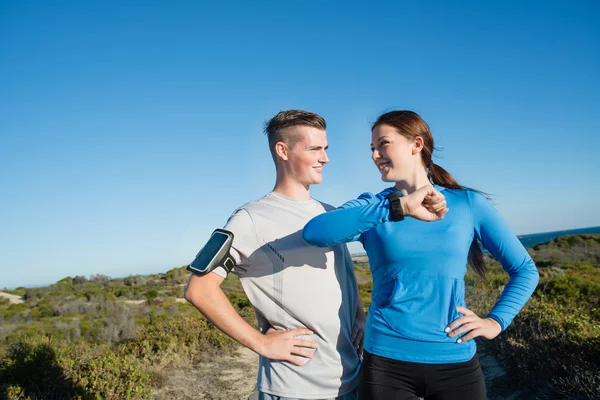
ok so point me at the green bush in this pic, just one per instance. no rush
(579, 287)
(151, 294)
(177, 340)
(43, 369)
(567, 341)
(100, 373)
(238, 300)
(365, 292)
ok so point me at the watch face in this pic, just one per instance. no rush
(396, 213)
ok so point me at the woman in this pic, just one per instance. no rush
(419, 332)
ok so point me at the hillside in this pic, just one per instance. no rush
(136, 338)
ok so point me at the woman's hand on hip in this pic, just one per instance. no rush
(473, 326)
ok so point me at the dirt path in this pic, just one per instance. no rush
(227, 377)
(234, 378)
(12, 298)
(138, 302)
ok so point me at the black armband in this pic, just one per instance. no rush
(396, 213)
(215, 253)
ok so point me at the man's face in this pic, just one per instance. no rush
(307, 157)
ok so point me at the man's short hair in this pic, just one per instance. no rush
(278, 129)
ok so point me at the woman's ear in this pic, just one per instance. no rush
(418, 144)
(281, 150)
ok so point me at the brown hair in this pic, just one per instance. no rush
(277, 128)
(410, 125)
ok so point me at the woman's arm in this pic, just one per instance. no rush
(496, 236)
(348, 222)
(353, 218)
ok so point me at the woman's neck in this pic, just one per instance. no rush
(412, 183)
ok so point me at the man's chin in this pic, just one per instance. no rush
(317, 180)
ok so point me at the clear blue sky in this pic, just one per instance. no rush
(128, 132)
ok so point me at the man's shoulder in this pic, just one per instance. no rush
(261, 207)
(326, 206)
(242, 216)
(254, 204)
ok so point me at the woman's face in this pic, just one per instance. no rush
(395, 156)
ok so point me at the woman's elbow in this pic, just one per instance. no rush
(530, 272)
(535, 275)
(311, 236)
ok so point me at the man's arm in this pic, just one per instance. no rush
(205, 293)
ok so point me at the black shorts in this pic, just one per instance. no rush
(387, 379)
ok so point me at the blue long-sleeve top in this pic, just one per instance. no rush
(418, 271)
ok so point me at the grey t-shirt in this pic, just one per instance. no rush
(294, 285)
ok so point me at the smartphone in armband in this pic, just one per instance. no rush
(215, 253)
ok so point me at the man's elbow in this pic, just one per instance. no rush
(201, 289)
(188, 295)
(192, 290)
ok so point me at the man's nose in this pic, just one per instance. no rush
(324, 159)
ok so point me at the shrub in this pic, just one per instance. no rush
(102, 280)
(365, 292)
(238, 300)
(565, 339)
(579, 287)
(176, 340)
(151, 294)
(32, 370)
(177, 276)
(43, 369)
(79, 280)
(118, 326)
(100, 373)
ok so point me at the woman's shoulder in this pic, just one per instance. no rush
(472, 197)
(376, 196)
(367, 198)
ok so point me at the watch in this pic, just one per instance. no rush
(396, 213)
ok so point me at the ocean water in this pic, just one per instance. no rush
(538, 238)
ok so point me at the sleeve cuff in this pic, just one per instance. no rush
(220, 271)
(498, 320)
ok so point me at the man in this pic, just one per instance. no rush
(310, 318)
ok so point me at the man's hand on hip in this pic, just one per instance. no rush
(358, 330)
(283, 345)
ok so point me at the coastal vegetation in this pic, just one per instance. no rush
(552, 349)
(97, 337)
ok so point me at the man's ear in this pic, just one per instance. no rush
(281, 150)
(418, 145)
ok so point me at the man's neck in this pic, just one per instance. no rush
(292, 190)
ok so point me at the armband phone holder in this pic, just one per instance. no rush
(215, 253)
